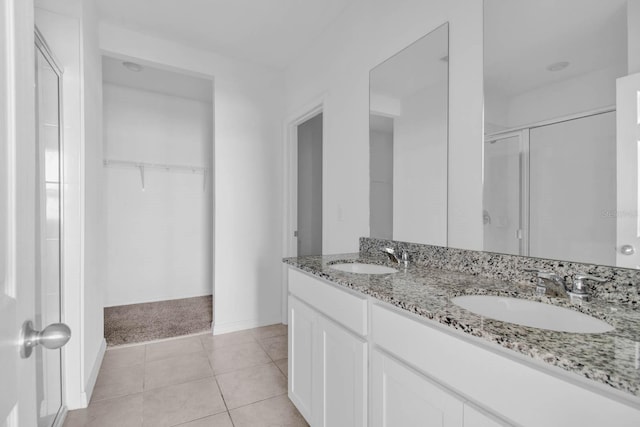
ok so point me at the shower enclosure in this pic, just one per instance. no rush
(550, 189)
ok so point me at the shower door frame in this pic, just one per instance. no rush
(42, 47)
(522, 233)
(524, 133)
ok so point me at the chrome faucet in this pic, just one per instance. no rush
(391, 253)
(550, 283)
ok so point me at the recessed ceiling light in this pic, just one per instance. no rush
(558, 66)
(132, 66)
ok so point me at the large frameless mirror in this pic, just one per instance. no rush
(561, 111)
(408, 137)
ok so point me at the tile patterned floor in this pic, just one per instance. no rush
(231, 380)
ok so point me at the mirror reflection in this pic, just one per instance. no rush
(560, 177)
(408, 134)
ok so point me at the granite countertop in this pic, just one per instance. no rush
(611, 358)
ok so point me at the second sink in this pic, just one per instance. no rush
(531, 313)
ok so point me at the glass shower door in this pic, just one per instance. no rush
(503, 212)
(48, 232)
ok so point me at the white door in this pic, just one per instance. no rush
(302, 321)
(340, 393)
(403, 397)
(22, 195)
(17, 210)
(628, 179)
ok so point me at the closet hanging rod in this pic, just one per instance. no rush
(145, 165)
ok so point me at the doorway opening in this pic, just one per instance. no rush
(158, 180)
(309, 210)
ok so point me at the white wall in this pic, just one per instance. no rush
(338, 66)
(94, 253)
(71, 31)
(247, 173)
(158, 239)
(583, 93)
(310, 187)
(420, 168)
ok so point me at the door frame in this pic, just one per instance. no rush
(290, 184)
(42, 46)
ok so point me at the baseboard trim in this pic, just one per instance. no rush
(241, 325)
(62, 415)
(91, 381)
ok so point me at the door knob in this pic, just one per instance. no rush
(53, 336)
(627, 250)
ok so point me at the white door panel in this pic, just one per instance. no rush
(628, 179)
(17, 210)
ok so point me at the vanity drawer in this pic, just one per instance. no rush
(508, 386)
(341, 306)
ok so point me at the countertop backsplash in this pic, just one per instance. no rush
(622, 286)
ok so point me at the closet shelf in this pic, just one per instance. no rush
(143, 166)
(160, 166)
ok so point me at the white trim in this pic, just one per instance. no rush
(560, 119)
(243, 325)
(290, 183)
(62, 416)
(93, 377)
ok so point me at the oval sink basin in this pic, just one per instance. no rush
(361, 268)
(532, 313)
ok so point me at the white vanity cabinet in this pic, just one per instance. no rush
(356, 361)
(509, 389)
(401, 396)
(327, 353)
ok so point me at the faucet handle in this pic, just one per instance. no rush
(583, 276)
(405, 258)
(578, 282)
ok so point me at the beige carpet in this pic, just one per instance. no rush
(126, 324)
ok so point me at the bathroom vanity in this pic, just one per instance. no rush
(392, 349)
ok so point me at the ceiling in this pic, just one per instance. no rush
(157, 80)
(523, 37)
(270, 32)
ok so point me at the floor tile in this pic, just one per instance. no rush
(270, 331)
(283, 365)
(276, 347)
(277, 411)
(176, 370)
(175, 404)
(122, 412)
(118, 381)
(250, 385)
(124, 356)
(220, 420)
(237, 356)
(212, 342)
(173, 348)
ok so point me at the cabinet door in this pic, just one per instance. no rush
(403, 397)
(473, 417)
(301, 331)
(341, 377)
